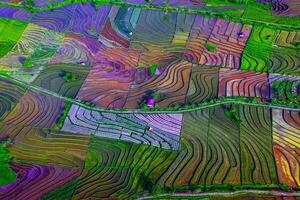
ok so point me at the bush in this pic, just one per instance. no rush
(146, 183)
(69, 76)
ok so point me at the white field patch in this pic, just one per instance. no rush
(161, 130)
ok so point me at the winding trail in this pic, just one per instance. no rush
(224, 101)
(229, 194)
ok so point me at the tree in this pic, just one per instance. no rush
(28, 63)
(69, 76)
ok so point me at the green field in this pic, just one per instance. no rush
(10, 32)
(257, 51)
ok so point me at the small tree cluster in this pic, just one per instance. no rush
(286, 90)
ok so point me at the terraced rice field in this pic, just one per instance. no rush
(257, 146)
(171, 85)
(65, 80)
(286, 147)
(250, 159)
(199, 34)
(258, 59)
(50, 147)
(285, 8)
(203, 84)
(284, 54)
(35, 109)
(41, 179)
(229, 45)
(10, 95)
(159, 130)
(242, 83)
(149, 99)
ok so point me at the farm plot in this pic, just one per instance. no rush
(184, 23)
(125, 21)
(223, 150)
(49, 146)
(143, 75)
(153, 34)
(284, 62)
(243, 83)
(225, 44)
(115, 169)
(175, 84)
(34, 181)
(9, 131)
(257, 59)
(45, 50)
(284, 87)
(209, 153)
(108, 82)
(257, 160)
(10, 32)
(287, 39)
(116, 29)
(76, 50)
(189, 166)
(284, 55)
(57, 19)
(14, 13)
(286, 7)
(87, 21)
(144, 85)
(286, 147)
(198, 37)
(36, 47)
(65, 80)
(10, 94)
(66, 191)
(267, 15)
(110, 34)
(162, 130)
(105, 183)
(155, 166)
(30, 39)
(16, 1)
(203, 84)
(127, 58)
(27, 44)
(171, 85)
(35, 109)
(192, 164)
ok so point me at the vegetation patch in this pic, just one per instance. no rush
(69, 76)
(5, 47)
(64, 115)
(233, 114)
(7, 175)
(211, 47)
(256, 53)
(11, 30)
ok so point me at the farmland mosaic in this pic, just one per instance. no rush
(149, 99)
